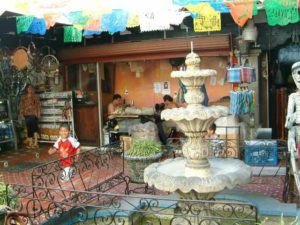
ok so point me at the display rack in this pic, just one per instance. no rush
(56, 108)
(7, 129)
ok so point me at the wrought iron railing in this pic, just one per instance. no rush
(107, 208)
(230, 142)
(98, 169)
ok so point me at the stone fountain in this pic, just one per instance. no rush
(195, 176)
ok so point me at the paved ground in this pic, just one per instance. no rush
(267, 185)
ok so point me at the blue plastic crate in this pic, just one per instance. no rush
(261, 153)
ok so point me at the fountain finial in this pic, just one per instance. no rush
(192, 47)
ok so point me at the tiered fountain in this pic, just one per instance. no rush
(194, 176)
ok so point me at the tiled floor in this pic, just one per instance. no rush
(268, 185)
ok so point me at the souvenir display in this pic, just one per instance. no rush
(56, 108)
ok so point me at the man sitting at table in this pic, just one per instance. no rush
(165, 127)
(114, 106)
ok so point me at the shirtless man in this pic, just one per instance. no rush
(114, 105)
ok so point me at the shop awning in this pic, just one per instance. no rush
(147, 50)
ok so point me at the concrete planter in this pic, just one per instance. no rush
(137, 165)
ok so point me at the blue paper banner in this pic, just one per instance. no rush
(187, 2)
(218, 5)
(114, 22)
(90, 33)
(38, 26)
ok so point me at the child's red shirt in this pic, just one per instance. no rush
(66, 149)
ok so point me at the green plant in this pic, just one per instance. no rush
(8, 196)
(144, 148)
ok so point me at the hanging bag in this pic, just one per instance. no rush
(247, 74)
(234, 75)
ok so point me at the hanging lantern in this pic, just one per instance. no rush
(250, 32)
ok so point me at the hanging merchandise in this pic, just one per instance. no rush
(291, 53)
(233, 75)
(72, 34)
(241, 102)
(282, 12)
(38, 26)
(243, 74)
(248, 74)
(116, 21)
(23, 23)
(240, 11)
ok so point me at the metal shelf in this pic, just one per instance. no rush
(10, 123)
(6, 140)
(47, 104)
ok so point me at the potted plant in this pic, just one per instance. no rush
(7, 194)
(141, 154)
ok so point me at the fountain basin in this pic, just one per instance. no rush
(172, 175)
(194, 118)
(194, 73)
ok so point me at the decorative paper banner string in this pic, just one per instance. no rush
(207, 19)
(71, 34)
(241, 11)
(281, 12)
(51, 19)
(92, 25)
(78, 19)
(187, 2)
(22, 7)
(133, 20)
(23, 23)
(208, 22)
(151, 21)
(220, 6)
(90, 33)
(115, 21)
(38, 26)
(176, 17)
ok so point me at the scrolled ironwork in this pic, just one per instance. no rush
(111, 209)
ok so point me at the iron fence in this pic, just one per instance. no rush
(107, 208)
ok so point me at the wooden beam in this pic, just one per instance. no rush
(145, 50)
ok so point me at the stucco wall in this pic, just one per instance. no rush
(141, 89)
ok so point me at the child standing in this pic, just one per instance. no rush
(214, 141)
(67, 147)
